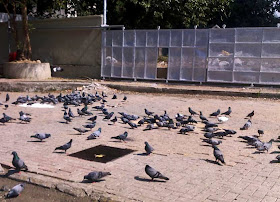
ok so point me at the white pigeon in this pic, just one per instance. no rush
(222, 119)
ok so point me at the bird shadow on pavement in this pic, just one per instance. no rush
(62, 122)
(275, 152)
(147, 180)
(89, 182)
(59, 152)
(206, 145)
(11, 172)
(258, 152)
(274, 161)
(142, 154)
(211, 161)
(35, 141)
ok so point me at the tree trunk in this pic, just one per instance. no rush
(26, 39)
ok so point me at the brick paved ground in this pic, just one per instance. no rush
(247, 176)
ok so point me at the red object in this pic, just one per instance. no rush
(12, 56)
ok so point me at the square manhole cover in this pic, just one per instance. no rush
(102, 153)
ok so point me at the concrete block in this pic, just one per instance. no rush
(36, 71)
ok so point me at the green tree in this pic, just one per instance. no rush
(253, 13)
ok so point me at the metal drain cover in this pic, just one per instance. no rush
(101, 153)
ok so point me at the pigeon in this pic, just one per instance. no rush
(81, 130)
(15, 191)
(41, 136)
(70, 113)
(124, 120)
(66, 117)
(215, 113)
(260, 132)
(6, 106)
(192, 112)
(247, 125)
(64, 147)
(96, 176)
(186, 129)
(209, 135)
(212, 141)
(114, 120)
(99, 107)
(150, 127)
(191, 120)
(94, 135)
(203, 118)
(211, 129)
(7, 118)
(114, 96)
(154, 173)
(120, 137)
(80, 112)
(90, 126)
(218, 154)
(148, 112)
(18, 163)
(124, 98)
(132, 125)
(103, 94)
(250, 115)
(268, 145)
(148, 148)
(230, 132)
(222, 119)
(220, 134)
(3, 121)
(228, 112)
(109, 116)
(92, 118)
(7, 97)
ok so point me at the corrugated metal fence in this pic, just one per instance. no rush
(237, 55)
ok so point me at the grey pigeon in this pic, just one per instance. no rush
(81, 130)
(148, 112)
(148, 148)
(124, 98)
(203, 118)
(114, 120)
(230, 132)
(121, 137)
(7, 97)
(247, 125)
(15, 191)
(108, 116)
(65, 147)
(94, 135)
(192, 112)
(268, 145)
(132, 125)
(90, 126)
(70, 113)
(228, 112)
(209, 135)
(66, 117)
(218, 154)
(250, 115)
(80, 112)
(154, 173)
(96, 176)
(212, 141)
(114, 96)
(18, 163)
(216, 113)
(41, 136)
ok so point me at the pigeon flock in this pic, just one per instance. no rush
(183, 124)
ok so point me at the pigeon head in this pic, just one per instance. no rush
(14, 153)
(85, 177)
(48, 135)
(107, 173)
(272, 140)
(71, 140)
(146, 143)
(99, 129)
(147, 166)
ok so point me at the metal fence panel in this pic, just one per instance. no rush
(240, 55)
